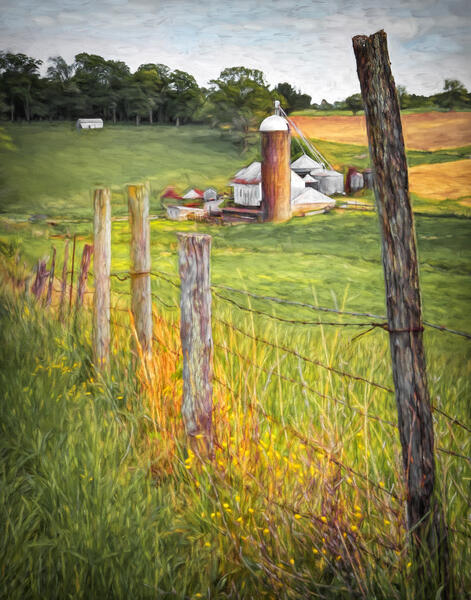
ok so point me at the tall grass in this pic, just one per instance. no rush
(101, 498)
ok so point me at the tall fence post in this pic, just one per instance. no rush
(83, 275)
(64, 281)
(40, 281)
(51, 278)
(72, 273)
(141, 303)
(401, 276)
(196, 335)
(102, 267)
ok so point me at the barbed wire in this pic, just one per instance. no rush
(297, 303)
(333, 310)
(165, 276)
(304, 358)
(296, 321)
(305, 386)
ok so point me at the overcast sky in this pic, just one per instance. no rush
(305, 42)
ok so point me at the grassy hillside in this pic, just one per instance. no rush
(50, 168)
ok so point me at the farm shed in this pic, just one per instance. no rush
(210, 194)
(247, 184)
(311, 199)
(309, 181)
(354, 181)
(330, 182)
(181, 213)
(170, 192)
(89, 124)
(194, 194)
(304, 165)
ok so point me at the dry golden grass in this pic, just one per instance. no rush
(442, 181)
(424, 131)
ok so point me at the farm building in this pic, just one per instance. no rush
(210, 194)
(354, 181)
(304, 165)
(330, 181)
(194, 194)
(309, 181)
(89, 124)
(247, 184)
(170, 193)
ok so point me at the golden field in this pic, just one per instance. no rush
(424, 131)
(441, 181)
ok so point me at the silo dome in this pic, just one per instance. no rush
(274, 123)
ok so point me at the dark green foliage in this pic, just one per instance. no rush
(294, 100)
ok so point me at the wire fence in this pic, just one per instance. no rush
(227, 300)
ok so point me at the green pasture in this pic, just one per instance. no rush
(49, 169)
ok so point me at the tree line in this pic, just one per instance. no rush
(453, 97)
(236, 101)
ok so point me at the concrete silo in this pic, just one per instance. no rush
(276, 171)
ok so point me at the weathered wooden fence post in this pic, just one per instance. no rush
(141, 302)
(102, 267)
(83, 275)
(51, 278)
(40, 281)
(64, 281)
(196, 335)
(401, 276)
(72, 273)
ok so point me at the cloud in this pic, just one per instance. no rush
(307, 43)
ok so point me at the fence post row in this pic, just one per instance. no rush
(196, 335)
(141, 304)
(102, 267)
(401, 276)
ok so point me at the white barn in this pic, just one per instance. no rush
(247, 184)
(89, 124)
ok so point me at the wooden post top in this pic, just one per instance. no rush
(200, 236)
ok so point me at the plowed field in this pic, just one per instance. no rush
(424, 131)
(441, 181)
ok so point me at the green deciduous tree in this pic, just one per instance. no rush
(19, 82)
(241, 99)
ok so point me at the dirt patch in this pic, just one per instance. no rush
(424, 131)
(442, 181)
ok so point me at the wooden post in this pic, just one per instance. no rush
(83, 276)
(51, 278)
(401, 276)
(141, 304)
(102, 267)
(40, 280)
(72, 273)
(196, 335)
(64, 281)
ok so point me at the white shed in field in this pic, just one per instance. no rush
(210, 194)
(247, 184)
(89, 124)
